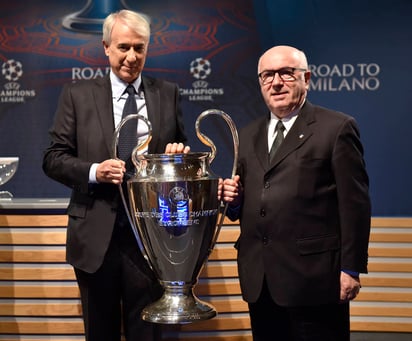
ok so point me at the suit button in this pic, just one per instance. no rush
(262, 212)
(267, 185)
(265, 240)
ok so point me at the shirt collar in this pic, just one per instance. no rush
(287, 121)
(119, 86)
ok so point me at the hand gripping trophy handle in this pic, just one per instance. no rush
(208, 142)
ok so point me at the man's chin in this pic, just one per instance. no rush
(128, 77)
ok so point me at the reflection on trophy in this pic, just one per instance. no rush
(8, 167)
(174, 209)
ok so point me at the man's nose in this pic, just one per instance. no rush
(277, 79)
(131, 54)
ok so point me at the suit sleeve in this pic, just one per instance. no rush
(353, 197)
(61, 161)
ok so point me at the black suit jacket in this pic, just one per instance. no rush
(81, 135)
(306, 216)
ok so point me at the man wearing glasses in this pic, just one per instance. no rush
(302, 197)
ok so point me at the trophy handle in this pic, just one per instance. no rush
(208, 142)
(140, 146)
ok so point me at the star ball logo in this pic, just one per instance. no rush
(201, 69)
(12, 71)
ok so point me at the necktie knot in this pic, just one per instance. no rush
(130, 90)
(279, 127)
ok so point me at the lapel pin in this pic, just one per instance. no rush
(301, 136)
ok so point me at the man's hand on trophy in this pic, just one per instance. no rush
(232, 191)
(111, 171)
(176, 148)
(220, 189)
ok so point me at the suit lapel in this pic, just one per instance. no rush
(259, 141)
(152, 98)
(102, 96)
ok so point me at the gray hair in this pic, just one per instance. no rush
(137, 22)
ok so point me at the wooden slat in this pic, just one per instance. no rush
(226, 253)
(390, 252)
(389, 267)
(381, 311)
(390, 237)
(39, 290)
(33, 256)
(37, 274)
(33, 220)
(229, 306)
(50, 326)
(219, 271)
(384, 296)
(380, 326)
(40, 309)
(391, 222)
(51, 237)
(205, 289)
(394, 282)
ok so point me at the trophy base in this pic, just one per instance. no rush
(177, 307)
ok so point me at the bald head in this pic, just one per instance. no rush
(287, 55)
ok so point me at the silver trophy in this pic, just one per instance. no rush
(8, 167)
(173, 208)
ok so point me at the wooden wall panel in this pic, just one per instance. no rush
(39, 298)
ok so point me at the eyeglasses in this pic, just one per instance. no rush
(286, 74)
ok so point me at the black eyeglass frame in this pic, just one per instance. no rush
(286, 74)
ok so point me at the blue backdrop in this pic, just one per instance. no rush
(358, 52)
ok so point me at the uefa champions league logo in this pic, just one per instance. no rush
(12, 71)
(178, 196)
(200, 69)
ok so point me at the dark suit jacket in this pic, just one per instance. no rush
(82, 134)
(307, 215)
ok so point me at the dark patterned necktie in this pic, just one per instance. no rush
(128, 133)
(278, 140)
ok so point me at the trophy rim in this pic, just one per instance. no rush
(9, 160)
(162, 156)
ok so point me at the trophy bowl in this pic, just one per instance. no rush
(8, 167)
